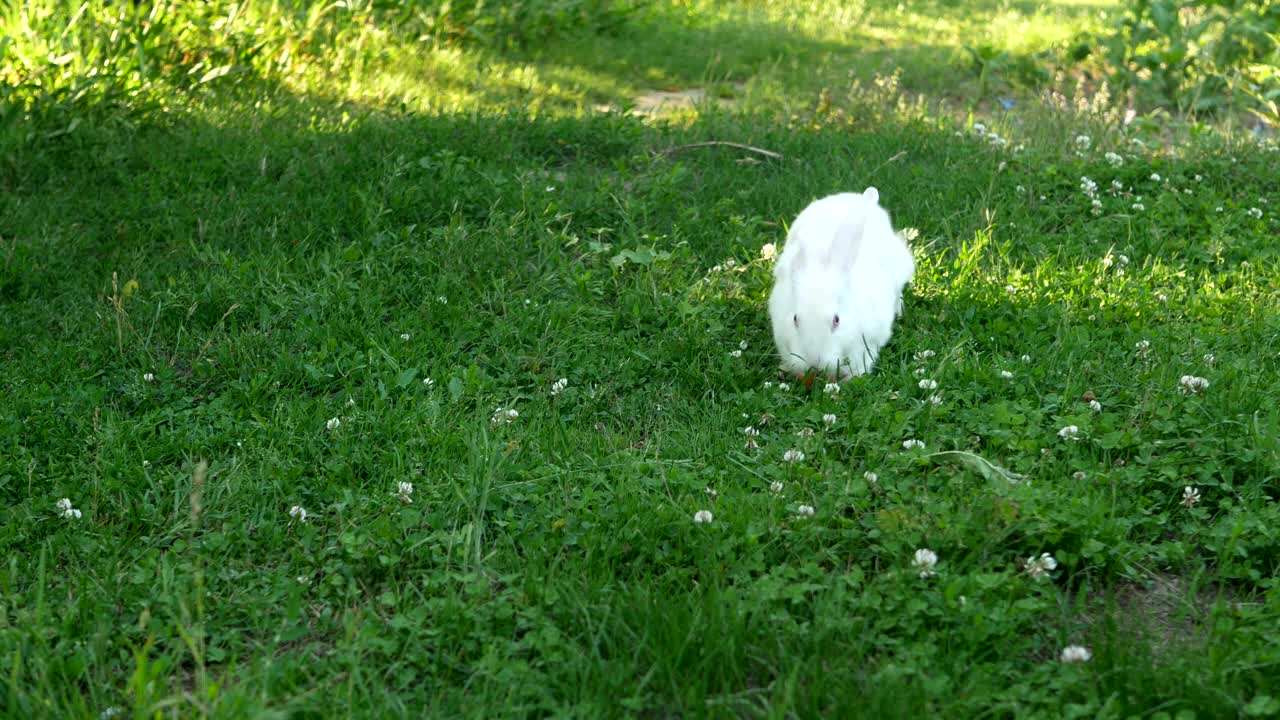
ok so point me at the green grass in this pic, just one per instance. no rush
(315, 241)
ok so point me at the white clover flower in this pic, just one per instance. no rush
(1155, 177)
(1021, 190)
(702, 517)
(1088, 186)
(65, 509)
(149, 377)
(1079, 475)
(784, 387)
(1076, 654)
(735, 353)
(923, 355)
(1069, 432)
(404, 336)
(1083, 142)
(442, 300)
(1162, 297)
(1190, 496)
(1095, 406)
(828, 419)
(1124, 259)
(1191, 384)
(1139, 207)
(1026, 358)
(925, 560)
(558, 386)
(504, 416)
(428, 382)
(831, 388)
(935, 399)
(297, 512)
(1218, 209)
(1198, 178)
(742, 345)
(805, 511)
(768, 384)
(1142, 346)
(1039, 567)
(793, 456)
(775, 487)
(1255, 212)
(1114, 159)
(919, 372)
(1209, 358)
(870, 477)
(1007, 375)
(712, 493)
(1117, 186)
(912, 444)
(769, 251)
(333, 424)
(928, 384)
(404, 491)
(804, 432)
(980, 128)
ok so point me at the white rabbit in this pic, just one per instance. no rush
(838, 286)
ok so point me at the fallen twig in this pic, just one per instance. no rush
(899, 156)
(710, 143)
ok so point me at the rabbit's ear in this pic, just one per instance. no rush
(847, 242)
(800, 258)
(871, 194)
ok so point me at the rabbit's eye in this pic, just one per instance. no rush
(835, 322)
(796, 319)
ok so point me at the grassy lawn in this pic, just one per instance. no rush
(240, 315)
